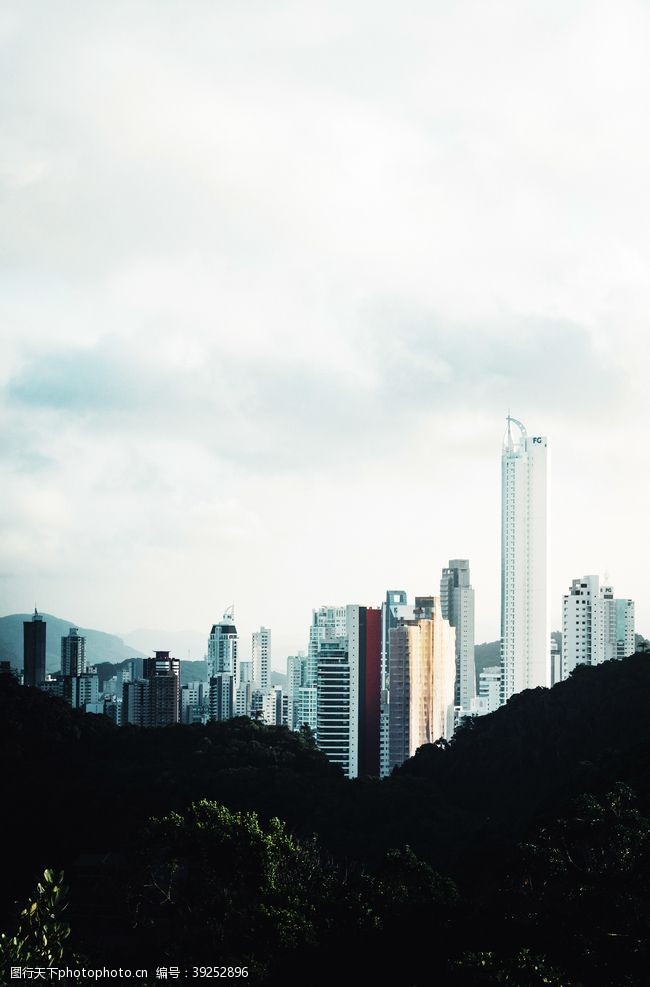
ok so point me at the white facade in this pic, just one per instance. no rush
(194, 702)
(457, 603)
(596, 627)
(261, 654)
(305, 707)
(525, 632)
(489, 689)
(272, 706)
(296, 673)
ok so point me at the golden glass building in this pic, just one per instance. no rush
(422, 674)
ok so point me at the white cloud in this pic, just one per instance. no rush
(271, 277)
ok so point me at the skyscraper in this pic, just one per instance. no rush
(34, 632)
(347, 649)
(328, 624)
(422, 673)
(261, 654)
(595, 626)
(222, 647)
(223, 669)
(73, 653)
(154, 700)
(457, 604)
(524, 628)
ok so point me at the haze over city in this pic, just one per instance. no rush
(271, 280)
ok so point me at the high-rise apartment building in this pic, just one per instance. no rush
(222, 647)
(328, 624)
(223, 668)
(348, 687)
(394, 609)
(596, 627)
(422, 673)
(335, 718)
(524, 626)
(296, 674)
(73, 653)
(163, 674)
(154, 700)
(457, 605)
(261, 655)
(34, 634)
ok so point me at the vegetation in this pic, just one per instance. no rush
(517, 854)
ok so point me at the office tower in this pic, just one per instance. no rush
(524, 628)
(422, 672)
(261, 655)
(457, 603)
(223, 668)
(34, 632)
(73, 653)
(556, 661)
(596, 627)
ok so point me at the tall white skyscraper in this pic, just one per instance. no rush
(261, 654)
(595, 626)
(525, 661)
(457, 604)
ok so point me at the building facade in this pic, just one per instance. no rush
(596, 627)
(422, 674)
(261, 656)
(457, 605)
(34, 642)
(223, 668)
(525, 662)
(73, 653)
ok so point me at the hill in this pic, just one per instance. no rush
(536, 818)
(100, 646)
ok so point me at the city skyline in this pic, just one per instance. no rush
(258, 315)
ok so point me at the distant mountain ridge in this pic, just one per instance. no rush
(100, 646)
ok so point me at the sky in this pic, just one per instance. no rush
(273, 273)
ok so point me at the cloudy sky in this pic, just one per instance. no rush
(271, 275)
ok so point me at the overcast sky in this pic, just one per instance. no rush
(272, 275)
